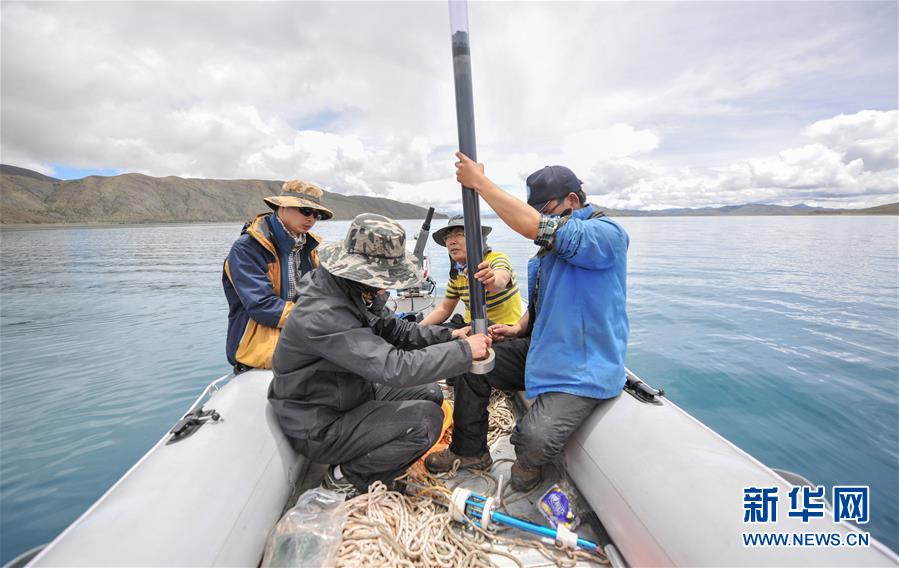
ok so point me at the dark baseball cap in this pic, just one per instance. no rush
(551, 182)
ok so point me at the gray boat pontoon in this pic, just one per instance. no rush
(667, 489)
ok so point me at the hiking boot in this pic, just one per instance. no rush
(444, 460)
(523, 478)
(340, 486)
(399, 486)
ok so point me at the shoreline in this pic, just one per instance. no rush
(131, 224)
(124, 225)
(128, 224)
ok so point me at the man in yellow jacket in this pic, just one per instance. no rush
(262, 270)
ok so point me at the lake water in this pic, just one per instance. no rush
(778, 332)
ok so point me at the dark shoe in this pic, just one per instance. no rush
(445, 460)
(340, 486)
(399, 486)
(524, 479)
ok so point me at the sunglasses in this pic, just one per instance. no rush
(550, 205)
(309, 212)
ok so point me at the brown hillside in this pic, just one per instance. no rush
(30, 197)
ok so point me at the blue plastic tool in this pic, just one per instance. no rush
(465, 505)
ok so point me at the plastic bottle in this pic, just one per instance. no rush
(310, 533)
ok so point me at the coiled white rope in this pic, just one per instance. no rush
(386, 528)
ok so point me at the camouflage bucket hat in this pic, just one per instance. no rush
(297, 193)
(373, 253)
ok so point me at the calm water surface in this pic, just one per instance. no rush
(779, 333)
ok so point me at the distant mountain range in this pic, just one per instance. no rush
(28, 197)
(749, 209)
(755, 209)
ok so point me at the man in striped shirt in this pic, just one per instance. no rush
(495, 273)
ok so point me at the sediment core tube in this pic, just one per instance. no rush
(474, 242)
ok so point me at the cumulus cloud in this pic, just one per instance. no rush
(359, 97)
(827, 171)
(870, 136)
(584, 148)
(231, 92)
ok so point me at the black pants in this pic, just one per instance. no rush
(539, 435)
(455, 322)
(378, 440)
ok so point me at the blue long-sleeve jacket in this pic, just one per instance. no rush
(255, 281)
(579, 339)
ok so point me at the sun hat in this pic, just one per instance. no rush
(297, 193)
(372, 253)
(439, 235)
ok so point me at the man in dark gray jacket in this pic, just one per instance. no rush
(353, 385)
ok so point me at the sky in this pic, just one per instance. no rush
(652, 104)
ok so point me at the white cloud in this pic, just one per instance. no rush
(868, 135)
(620, 140)
(814, 173)
(359, 96)
(443, 194)
(802, 168)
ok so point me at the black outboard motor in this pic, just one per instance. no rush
(412, 302)
(422, 239)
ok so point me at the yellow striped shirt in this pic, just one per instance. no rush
(503, 306)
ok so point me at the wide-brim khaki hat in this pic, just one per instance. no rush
(373, 253)
(297, 193)
(439, 235)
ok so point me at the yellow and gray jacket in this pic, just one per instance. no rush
(256, 287)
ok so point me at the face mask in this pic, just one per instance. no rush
(369, 293)
(378, 302)
(565, 213)
(372, 296)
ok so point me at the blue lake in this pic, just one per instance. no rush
(778, 332)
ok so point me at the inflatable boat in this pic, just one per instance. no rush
(660, 488)
(667, 489)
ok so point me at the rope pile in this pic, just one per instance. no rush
(501, 418)
(386, 528)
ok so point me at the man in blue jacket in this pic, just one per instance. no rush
(567, 352)
(262, 271)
